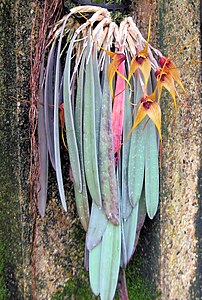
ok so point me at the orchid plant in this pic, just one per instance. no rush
(100, 91)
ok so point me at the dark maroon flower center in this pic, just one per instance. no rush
(147, 104)
(158, 74)
(163, 77)
(140, 60)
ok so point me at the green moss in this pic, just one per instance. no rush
(76, 289)
(139, 288)
(3, 290)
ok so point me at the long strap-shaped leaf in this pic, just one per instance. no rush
(94, 268)
(110, 261)
(97, 226)
(69, 122)
(151, 164)
(98, 94)
(140, 222)
(151, 170)
(118, 111)
(130, 231)
(56, 124)
(102, 253)
(141, 217)
(49, 103)
(124, 259)
(136, 156)
(126, 206)
(81, 198)
(106, 156)
(43, 152)
(89, 130)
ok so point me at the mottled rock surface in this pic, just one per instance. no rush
(180, 211)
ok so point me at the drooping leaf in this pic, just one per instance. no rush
(43, 151)
(98, 94)
(94, 268)
(126, 206)
(49, 102)
(130, 226)
(69, 122)
(56, 126)
(151, 165)
(151, 170)
(89, 132)
(106, 158)
(81, 198)
(124, 257)
(110, 261)
(97, 226)
(136, 156)
(118, 111)
(141, 218)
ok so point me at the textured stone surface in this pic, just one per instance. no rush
(14, 135)
(180, 204)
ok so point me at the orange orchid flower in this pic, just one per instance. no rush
(141, 61)
(167, 65)
(148, 107)
(166, 80)
(166, 75)
(117, 59)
